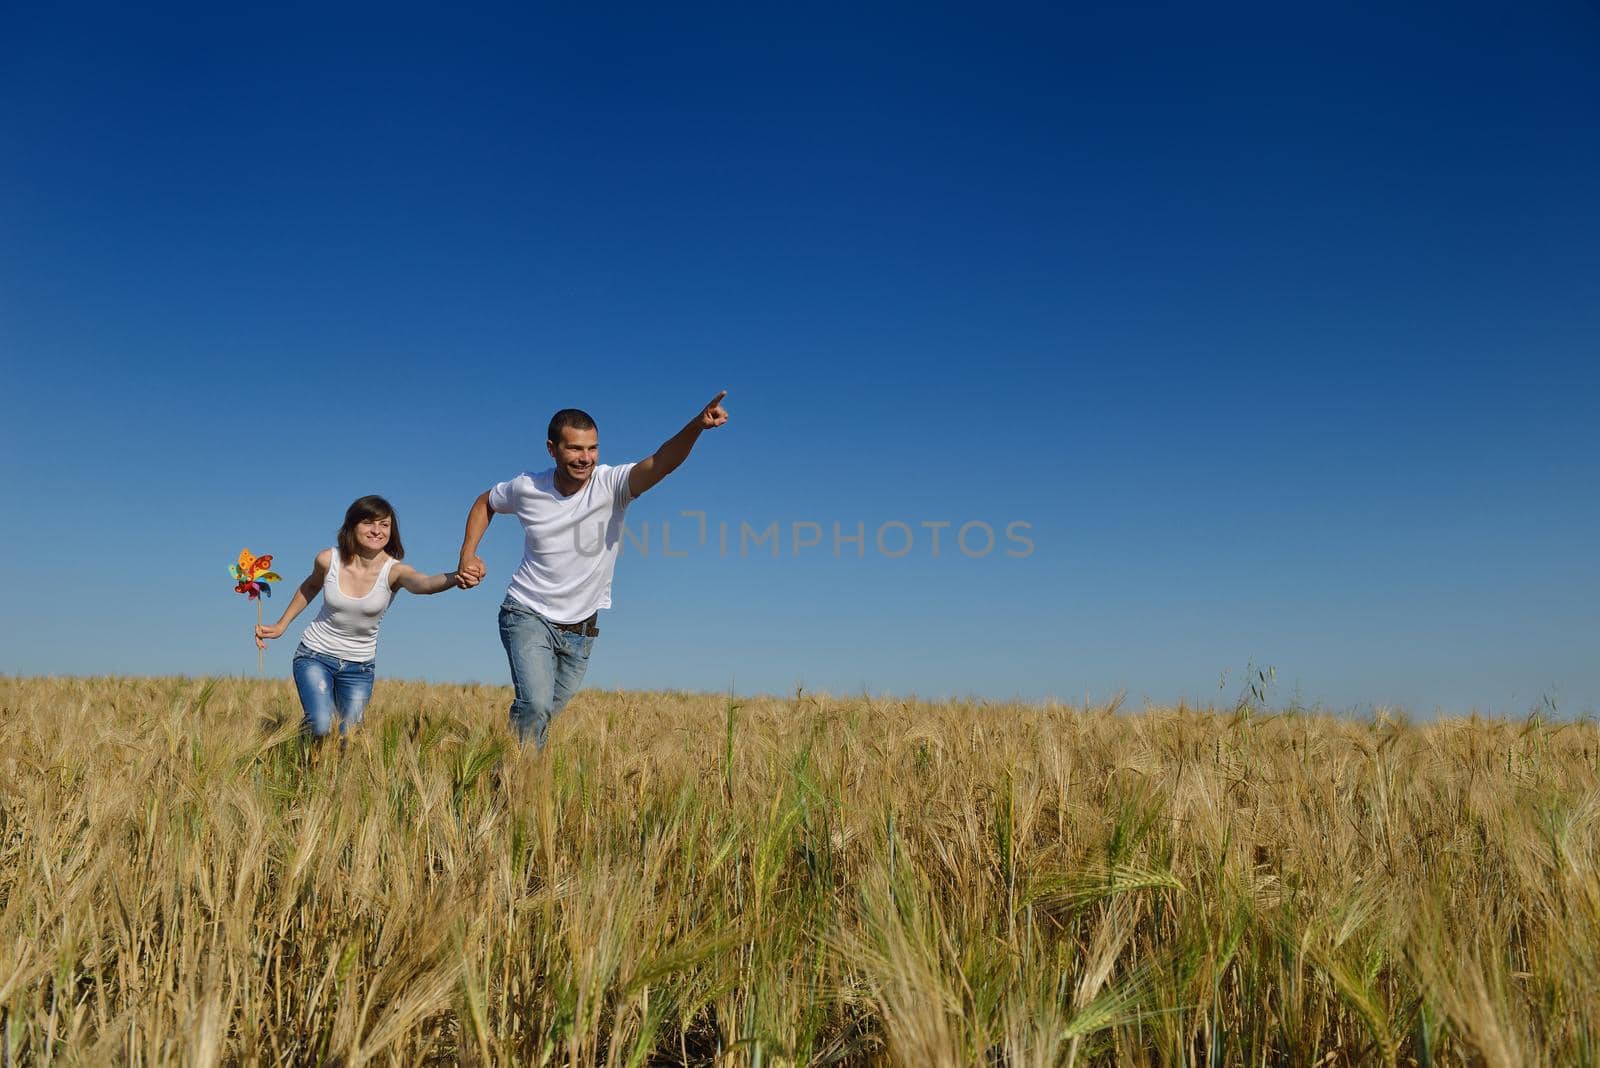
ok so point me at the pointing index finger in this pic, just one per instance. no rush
(717, 399)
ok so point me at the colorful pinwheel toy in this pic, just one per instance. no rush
(254, 576)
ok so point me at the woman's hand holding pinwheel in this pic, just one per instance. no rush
(266, 631)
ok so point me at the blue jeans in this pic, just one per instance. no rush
(547, 666)
(326, 684)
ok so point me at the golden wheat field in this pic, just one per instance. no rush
(688, 879)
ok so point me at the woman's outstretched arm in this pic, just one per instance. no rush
(304, 594)
(406, 577)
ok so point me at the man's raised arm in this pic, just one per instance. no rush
(471, 568)
(674, 450)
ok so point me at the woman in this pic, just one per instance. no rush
(333, 667)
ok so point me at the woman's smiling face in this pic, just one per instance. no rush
(374, 533)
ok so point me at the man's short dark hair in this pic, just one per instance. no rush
(576, 418)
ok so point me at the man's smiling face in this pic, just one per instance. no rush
(575, 456)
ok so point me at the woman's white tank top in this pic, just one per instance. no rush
(347, 627)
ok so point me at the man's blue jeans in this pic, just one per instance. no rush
(547, 666)
(328, 684)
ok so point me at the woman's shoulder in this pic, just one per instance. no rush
(324, 559)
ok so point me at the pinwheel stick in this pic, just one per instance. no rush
(261, 653)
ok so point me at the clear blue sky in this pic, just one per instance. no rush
(1278, 326)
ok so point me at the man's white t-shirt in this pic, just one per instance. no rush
(570, 544)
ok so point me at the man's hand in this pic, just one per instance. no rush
(714, 414)
(471, 572)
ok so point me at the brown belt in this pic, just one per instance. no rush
(585, 627)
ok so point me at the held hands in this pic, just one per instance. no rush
(267, 630)
(714, 414)
(470, 572)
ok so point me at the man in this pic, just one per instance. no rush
(571, 520)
